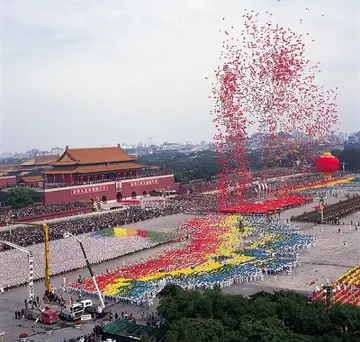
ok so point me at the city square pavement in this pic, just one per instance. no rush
(14, 300)
(333, 254)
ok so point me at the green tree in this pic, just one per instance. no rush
(195, 329)
(347, 317)
(211, 315)
(351, 158)
(20, 197)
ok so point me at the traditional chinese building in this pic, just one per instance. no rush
(39, 162)
(107, 174)
(92, 165)
(31, 181)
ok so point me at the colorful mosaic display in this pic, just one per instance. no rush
(155, 237)
(217, 248)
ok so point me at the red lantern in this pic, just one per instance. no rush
(327, 164)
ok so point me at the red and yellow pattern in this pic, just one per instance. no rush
(209, 237)
(323, 184)
(346, 289)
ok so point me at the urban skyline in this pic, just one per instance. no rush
(340, 138)
(65, 81)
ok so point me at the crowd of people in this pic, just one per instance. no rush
(201, 185)
(97, 331)
(27, 236)
(66, 255)
(41, 209)
(332, 213)
(197, 204)
(269, 247)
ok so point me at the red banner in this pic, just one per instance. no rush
(89, 190)
(144, 182)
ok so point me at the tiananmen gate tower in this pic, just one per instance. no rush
(84, 165)
(108, 174)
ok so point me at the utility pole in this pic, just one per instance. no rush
(147, 304)
(9, 222)
(31, 291)
(321, 205)
(343, 166)
(328, 291)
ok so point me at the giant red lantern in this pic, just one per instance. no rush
(327, 164)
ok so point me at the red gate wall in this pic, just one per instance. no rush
(80, 193)
(8, 180)
(109, 189)
(148, 184)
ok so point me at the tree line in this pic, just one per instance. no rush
(351, 158)
(284, 316)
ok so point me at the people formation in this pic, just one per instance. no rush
(27, 236)
(66, 254)
(41, 209)
(332, 213)
(270, 257)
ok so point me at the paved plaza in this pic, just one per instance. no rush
(335, 253)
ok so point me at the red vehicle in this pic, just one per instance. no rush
(47, 316)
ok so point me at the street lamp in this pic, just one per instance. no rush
(321, 205)
(147, 305)
(328, 291)
(68, 234)
(9, 222)
(343, 166)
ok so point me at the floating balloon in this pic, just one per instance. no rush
(266, 83)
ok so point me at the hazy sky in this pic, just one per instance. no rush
(98, 72)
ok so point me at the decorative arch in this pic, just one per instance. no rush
(144, 193)
(133, 195)
(104, 199)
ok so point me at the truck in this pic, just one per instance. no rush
(97, 311)
(72, 312)
(46, 315)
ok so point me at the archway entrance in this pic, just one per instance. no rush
(133, 195)
(104, 199)
(119, 196)
(144, 193)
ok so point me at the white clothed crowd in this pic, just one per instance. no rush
(27, 236)
(157, 286)
(66, 255)
(41, 209)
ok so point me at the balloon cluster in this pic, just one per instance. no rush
(265, 82)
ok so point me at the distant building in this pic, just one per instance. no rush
(31, 181)
(9, 169)
(38, 162)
